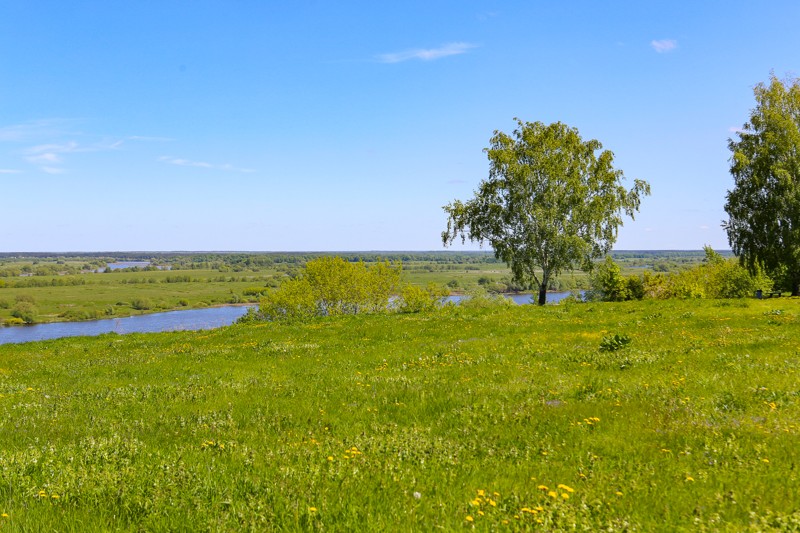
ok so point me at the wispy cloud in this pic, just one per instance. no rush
(426, 54)
(201, 164)
(9, 171)
(46, 156)
(35, 129)
(663, 46)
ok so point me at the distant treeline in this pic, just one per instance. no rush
(49, 264)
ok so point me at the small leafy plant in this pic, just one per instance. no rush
(612, 344)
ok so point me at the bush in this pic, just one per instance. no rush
(141, 304)
(481, 299)
(717, 277)
(414, 299)
(330, 286)
(14, 321)
(25, 311)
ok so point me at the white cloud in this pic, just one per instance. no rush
(429, 54)
(201, 164)
(9, 171)
(664, 45)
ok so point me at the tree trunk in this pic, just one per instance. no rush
(543, 291)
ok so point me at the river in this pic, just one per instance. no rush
(191, 319)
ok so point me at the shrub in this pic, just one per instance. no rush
(481, 299)
(414, 299)
(141, 304)
(25, 311)
(330, 286)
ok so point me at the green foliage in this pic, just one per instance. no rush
(480, 298)
(609, 285)
(25, 311)
(293, 300)
(141, 304)
(614, 343)
(414, 299)
(764, 205)
(330, 286)
(550, 203)
(717, 277)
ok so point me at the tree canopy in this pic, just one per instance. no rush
(551, 202)
(764, 205)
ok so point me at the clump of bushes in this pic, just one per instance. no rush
(415, 299)
(330, 286)
(25, 311)
(716, 277)
(141, 304)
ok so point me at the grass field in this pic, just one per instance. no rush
(514, 419)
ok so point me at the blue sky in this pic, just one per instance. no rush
(279, 126)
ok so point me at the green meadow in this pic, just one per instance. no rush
(680, 415)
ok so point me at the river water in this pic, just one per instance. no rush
(192, 319)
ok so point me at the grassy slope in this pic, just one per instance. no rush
(414, 422)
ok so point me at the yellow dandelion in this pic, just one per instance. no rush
(689, 478)
(566, 488)
(54, 496)
(496, 494)
(542, 487)
(4, 515)
(493, 503)
(312, 509)
(469, 519)
(553, 494)
(565, 496)
(764, 460)
(330, 458)
(618, 493)
(480, 513)
(481, 492)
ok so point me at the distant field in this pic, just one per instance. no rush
(639, 416)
